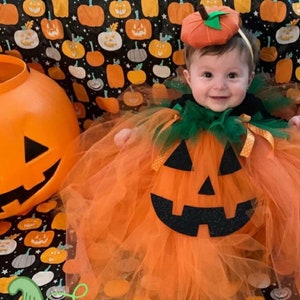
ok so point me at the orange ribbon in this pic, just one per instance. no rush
(250, 138)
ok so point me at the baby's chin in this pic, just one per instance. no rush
(218, 108)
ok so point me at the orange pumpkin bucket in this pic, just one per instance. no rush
(38, 122)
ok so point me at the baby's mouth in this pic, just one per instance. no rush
(219, 97)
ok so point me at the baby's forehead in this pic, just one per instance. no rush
(231, 61)
(238, 54)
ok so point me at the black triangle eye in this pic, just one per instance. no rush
(207, 188)
(180, 158)
(229, 162)
(33, 149)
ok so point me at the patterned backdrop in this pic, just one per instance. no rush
(99, 49)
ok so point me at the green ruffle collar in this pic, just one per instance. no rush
(194, 119)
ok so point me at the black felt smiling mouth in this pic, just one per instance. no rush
(21, 194)
(193, 217)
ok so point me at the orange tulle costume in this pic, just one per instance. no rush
(184, 203)
(187, 217)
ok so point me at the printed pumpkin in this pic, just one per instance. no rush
(73, 48)
(242, 6)
(52, 29)
(137, 75)
(284, 70)
(178, 55)
(54, 255)
(34, 8)
(178, 11)
(39, 239)
(108, 104)
(288, 34)
(120, 8)
(60, 8)
(150, 8)
(94, 57)
(110, 39)
(9, 14)
(296, 8)
(115, 75)
(44, 124)
(30, 223)
(268, 53)
(90, 15)
(137, 54)
(211, 2)
(138, 29)
(161, 48)
(272, 10)
(27, 38)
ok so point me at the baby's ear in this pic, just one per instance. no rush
(251, 77)
(186, 75)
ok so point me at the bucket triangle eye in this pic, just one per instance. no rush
(229, 162)
(180, 158)
(33, 149)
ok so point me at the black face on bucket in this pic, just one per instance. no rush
(32, 150)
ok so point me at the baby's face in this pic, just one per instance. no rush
(219, 82)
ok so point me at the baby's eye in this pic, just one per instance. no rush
(232, 75)
(207, 74)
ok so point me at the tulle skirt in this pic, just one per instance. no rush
(192, 222)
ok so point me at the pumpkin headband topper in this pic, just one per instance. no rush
(212, 26)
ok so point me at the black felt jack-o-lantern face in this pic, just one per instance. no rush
(206, 195)
(37, 123)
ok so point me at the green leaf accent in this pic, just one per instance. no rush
(213, 20)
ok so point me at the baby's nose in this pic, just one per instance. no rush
(220, 83)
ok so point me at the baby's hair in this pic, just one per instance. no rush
(237, 41)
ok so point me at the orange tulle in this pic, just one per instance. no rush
(129, 247)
